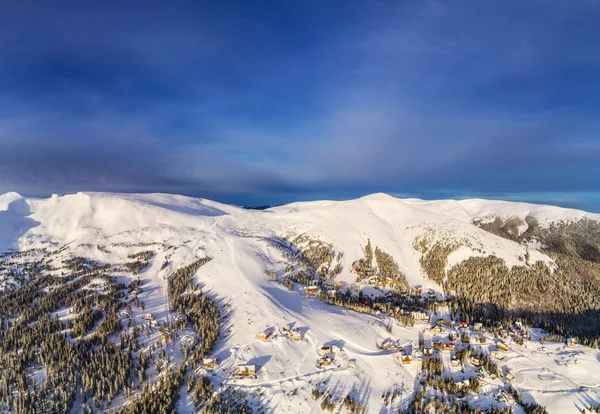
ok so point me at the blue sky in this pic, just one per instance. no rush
(269, 102)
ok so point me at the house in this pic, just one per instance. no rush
(427, 350)
(417, 290)
(133, 293)
(209, 363)
(312, 290)
(455, 362)
(246, 370)
(148, 317)
(406, 359)
(386, 344)
(331, 292)
(325, 361)
(436, 329)
(477, 326)
(264, 336)
(419, 316)
(296, 334)
(475, 361)
(449, 346)
(571, 342)
(503, 346)
(463, 324)
(327, 349)
(498, 355)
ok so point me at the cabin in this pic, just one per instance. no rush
(133, 293)
(449, 346)
(571, 342)
(436, 329)
(427, 350)
(148, 317)
(498, 355)
(455, 362)
(296, 334)
(417, 290)
(502, 346)
(209, 363)
(386, 344)
(463, 324)
(246, 370)
(478, 326)
(264, 336)
(406, 359)
(331, 292)
(166, 336)
(312, 290)
(326, 350)
(325, 362)
(475, 361)
(419, 316)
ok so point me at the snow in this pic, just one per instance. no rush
(108, 227)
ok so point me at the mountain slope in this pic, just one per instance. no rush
(251, 251)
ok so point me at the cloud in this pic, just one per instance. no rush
(242, 102)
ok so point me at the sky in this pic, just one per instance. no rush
(267, 102)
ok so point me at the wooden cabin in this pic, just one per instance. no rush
(264, 336)
(209, 363)
(246, 370)
(502, 346)
(312, 290)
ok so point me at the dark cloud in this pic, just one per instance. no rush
(254, 103)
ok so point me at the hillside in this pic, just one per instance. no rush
(214, 276)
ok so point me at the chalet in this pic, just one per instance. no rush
(133, 293)
(327, 349)
(477, 326)
(246, 370)
(419, 316)
(264, 336)
(148, 317)
(449, 346)
(475, 361)
(463, 324)
(427, 350)
(386, 344)
(325, 361)
(406, 359)
(498, 355)
(503, 346)
(455, 362)
(331, 292)
(312, 290)
(351, 363)
(209, 363)
(417, 290)
(296, 334)
(436, 329)
(372, 281)
(571, 342)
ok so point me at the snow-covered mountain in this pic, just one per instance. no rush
(251, 248)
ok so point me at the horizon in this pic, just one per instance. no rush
(569, 204)
(275, 102)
